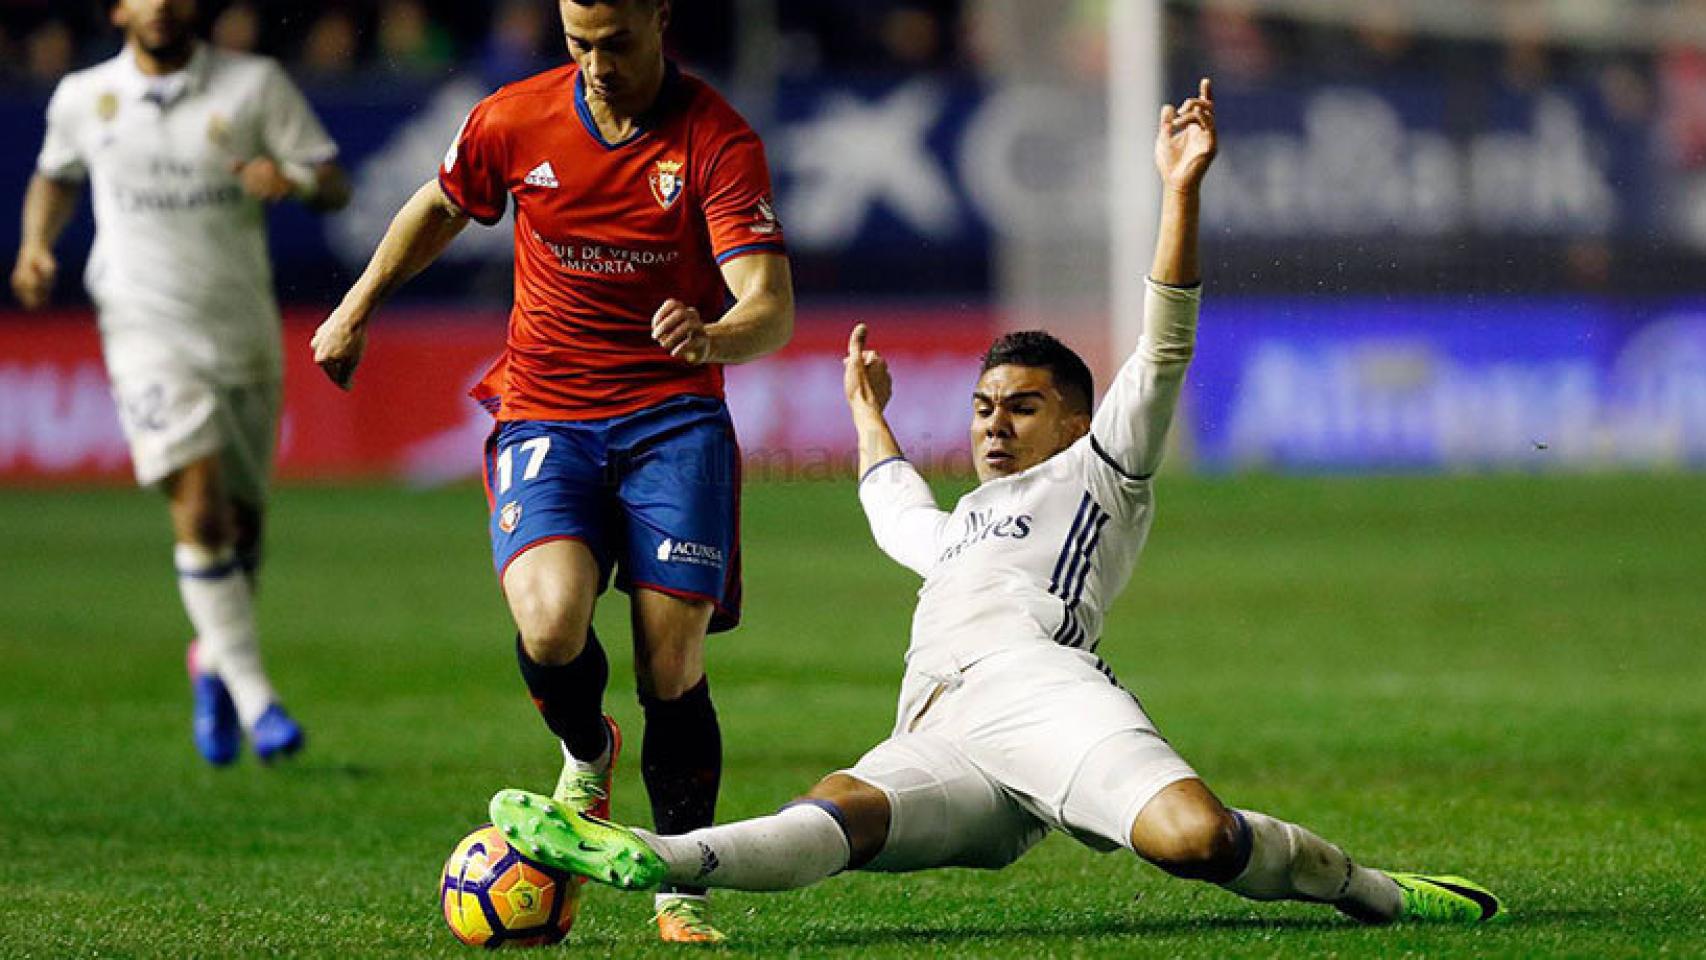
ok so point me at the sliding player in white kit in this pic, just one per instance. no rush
(184, 145)
(1008, 724)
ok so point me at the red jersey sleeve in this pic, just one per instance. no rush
(739, 211)
(475, 172)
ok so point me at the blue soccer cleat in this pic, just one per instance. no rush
(213, 717)
(276, 735)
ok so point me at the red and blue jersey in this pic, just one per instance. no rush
(604, 234)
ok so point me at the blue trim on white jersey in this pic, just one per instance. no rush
(1080, 546)
(1066, 547)
(1114, 464)
(878, 466)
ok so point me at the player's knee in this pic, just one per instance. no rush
(1196, 844)
(553, 630)
(548, 644)
(864, 813)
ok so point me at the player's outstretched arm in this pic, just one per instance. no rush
(48, 206)
(1130, 429)
(760, 322)
(416, 237)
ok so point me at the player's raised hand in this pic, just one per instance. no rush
(262, 179)
(679, 329)
(33, 276)
(338, 345)
(1185, 141)
(866, 374)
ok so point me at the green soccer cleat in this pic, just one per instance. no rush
(585, 791)
(1445, 899)
(543, 830)
(686, 920)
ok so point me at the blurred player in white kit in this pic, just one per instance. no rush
(1009, 725)
(184, 146)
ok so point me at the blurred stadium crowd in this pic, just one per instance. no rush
(42, 39)
(1526, 43)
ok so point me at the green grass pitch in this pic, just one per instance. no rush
(1502, 676)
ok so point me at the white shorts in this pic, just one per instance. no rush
(985, 762)
(172, 420)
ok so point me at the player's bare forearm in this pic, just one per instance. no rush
(322, 188)
(419, 233)
(762, 319)
(48, 206)
(1177, 261)
(876, 438)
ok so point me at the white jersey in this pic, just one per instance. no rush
(1036, 557)
(179, 270)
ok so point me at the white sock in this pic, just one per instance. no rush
(796, 847)
(661, 900)
(221, 605)
(1288, 862)
(597, 766)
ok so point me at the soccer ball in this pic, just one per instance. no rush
(494, 898)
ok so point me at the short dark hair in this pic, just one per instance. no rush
(1034, 348)
(645, 4)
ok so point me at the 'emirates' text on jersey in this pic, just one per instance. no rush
(604, 233)
(179, 271)
(1035, 557)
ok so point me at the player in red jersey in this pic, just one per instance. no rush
(641, 202)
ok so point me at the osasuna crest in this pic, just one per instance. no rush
(666, 181)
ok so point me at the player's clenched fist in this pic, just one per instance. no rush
(262, 179)
(338, 346)
(32, 277)
(679, 329)
(866, 377)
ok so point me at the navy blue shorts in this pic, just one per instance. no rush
(655, 495)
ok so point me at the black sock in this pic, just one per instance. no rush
(681, 761)
(571, 696)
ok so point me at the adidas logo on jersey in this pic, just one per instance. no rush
(542, 176)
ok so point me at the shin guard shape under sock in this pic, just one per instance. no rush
(681, 760)
(570, 696)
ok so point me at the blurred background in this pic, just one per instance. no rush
(1442, 234)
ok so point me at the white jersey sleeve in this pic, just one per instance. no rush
(902, 511)
(290, 132)
(1129, 431)
(61, 158)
